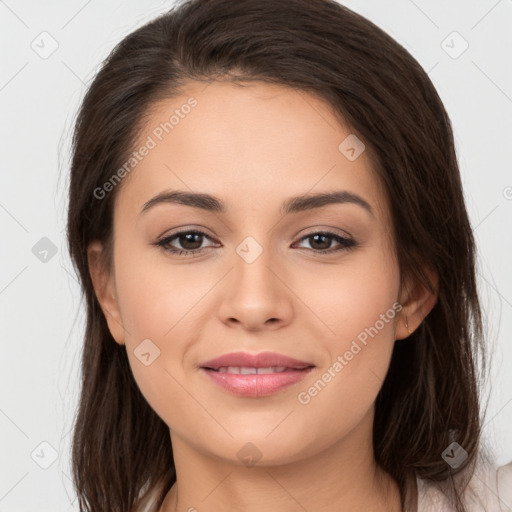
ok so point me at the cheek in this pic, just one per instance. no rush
(157, 297)
(159, 306)
(353, 297)
(343, 392)
(358, 303)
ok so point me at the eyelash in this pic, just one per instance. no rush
(345, 243)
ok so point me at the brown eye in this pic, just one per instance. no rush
(189, 242)
(321, 242)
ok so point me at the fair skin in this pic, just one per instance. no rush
(253, 147)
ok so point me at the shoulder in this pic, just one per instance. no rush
(504, 479)
(489, 490)
(148, 499)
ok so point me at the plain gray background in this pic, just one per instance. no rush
(41, 312)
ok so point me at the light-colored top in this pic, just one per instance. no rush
(489, 490)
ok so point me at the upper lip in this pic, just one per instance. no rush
(261, 360)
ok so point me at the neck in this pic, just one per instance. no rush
(342, 477)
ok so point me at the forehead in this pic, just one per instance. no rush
(252, 140)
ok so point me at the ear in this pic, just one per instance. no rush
(417, 301)
(104, 287)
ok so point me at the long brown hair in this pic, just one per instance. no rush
(430, 398)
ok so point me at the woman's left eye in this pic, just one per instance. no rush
(191, 242)
(324, 238)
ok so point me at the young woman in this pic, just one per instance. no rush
(267, 217)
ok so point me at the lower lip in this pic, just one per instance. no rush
(256, 384)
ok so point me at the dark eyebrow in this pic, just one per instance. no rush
(309, 201)
(292, 205)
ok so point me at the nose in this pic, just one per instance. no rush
(256, 295)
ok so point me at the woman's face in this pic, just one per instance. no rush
(256, 281)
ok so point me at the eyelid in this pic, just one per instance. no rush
(323, 229)
(185, 229)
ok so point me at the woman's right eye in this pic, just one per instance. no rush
(186, 239)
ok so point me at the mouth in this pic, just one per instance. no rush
(267, 362)
(252, 370)
(253, 382)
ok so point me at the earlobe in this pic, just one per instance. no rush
(104, 288)
(418, 303)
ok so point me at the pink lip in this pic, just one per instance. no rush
(261, 360)
(256, 385)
